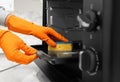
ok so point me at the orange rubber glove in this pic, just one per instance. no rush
(46, 34)
(12, 46)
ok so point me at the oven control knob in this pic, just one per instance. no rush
(88, 61)
(89, 21)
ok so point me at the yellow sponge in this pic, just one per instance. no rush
(61, 46)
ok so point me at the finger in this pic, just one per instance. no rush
(21, 58)
(53, 38)
(28, 50)
(57, 35)
(49, 41)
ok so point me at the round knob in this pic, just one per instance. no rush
(88, 21)
(88, 61)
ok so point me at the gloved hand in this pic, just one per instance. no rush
(12, 46)
(46, 34)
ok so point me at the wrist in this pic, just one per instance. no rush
(2, 32)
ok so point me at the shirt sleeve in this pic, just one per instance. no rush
(3, 16)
